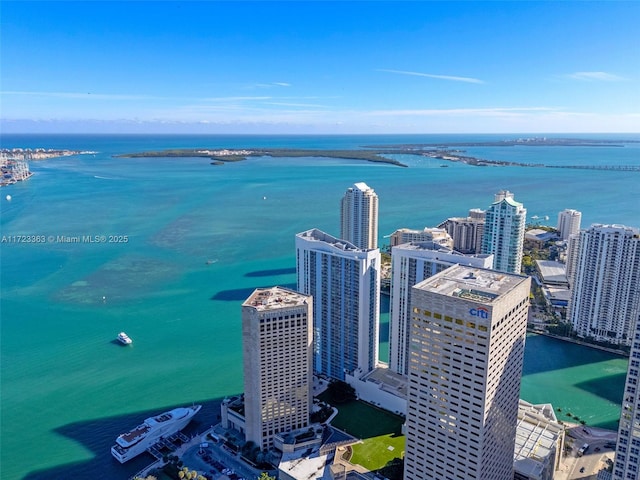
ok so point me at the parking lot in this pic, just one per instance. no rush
(585, 466)
(218, 463)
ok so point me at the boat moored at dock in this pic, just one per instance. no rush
(134, 442)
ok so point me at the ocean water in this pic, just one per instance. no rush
(192, 241)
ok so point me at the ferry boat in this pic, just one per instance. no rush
(133, 443)
(124, 339)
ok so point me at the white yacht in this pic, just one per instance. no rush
(133, 443)
(124, 338)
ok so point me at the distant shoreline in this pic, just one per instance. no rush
(380, 153)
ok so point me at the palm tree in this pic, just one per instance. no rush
(266, 476)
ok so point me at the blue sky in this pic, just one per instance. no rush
(320, 67)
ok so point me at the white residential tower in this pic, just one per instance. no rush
(344, 281)
(359, 217)
(605, 286)
(503, 235)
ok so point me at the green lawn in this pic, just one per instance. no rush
(380, 431)
(375, 452)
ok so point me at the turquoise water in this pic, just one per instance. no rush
(200, 238)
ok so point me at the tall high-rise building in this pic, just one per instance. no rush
(604, 292)
(503, 235)
(572, 256)
(568, 223)
(344, 281)
(410, 264)
(627, 458)
(467, 338)
(466, 232)
(277, 350)
(359, 217)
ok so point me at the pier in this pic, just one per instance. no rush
(619, 168)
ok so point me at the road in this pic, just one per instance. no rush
(587, 466)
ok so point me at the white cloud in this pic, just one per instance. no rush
(267, 85)
(595, 77)
(431, 75)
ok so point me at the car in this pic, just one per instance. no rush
(597, 449)
(583, 449)
(582, 470)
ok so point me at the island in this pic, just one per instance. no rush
(447, 152)
(220, 156)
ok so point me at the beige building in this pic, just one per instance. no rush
(569, 223)
(438, 236)
(276, 341)
(466, 232)
(411, 263)
(468, 330)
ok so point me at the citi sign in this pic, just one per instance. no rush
(481, 312)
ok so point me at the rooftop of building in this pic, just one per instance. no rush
(308, 465)
(388, 380)
(537, 437)
(316, 235)
(274, 298)
(557, 293)
(438, 231)
(552, 272)
(540, 235)
(472, 283)
(437, 247)
(362, 186)
(315, 462)
(614, 228)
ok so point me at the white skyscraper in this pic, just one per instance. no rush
(568, 223)
(344, 281)
(605, 292)
(468, 331)
(277, 351)
(359, 216)
(627, 458)
(410, 264)
(503, 235)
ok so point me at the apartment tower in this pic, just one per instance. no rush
(627, 458)
(568, 223)
(503, 235)
(277, 360)
(359, 217)
(466, 232)
(344, 281)
(410, 264)
(467, 338)
(604, 292)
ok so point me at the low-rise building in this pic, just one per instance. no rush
(539, 442)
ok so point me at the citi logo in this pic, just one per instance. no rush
(481, 312)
